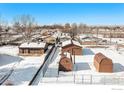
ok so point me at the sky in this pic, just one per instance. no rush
(60, 13)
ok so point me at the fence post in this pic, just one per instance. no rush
(82, 79)
(90, 79)
(74, 78)
(118, 80)
(57, 79)
(104, 80)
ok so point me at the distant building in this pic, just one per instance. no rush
(88, 41)
(71, 46)
(113, 35)
(103, 63)
(66, 63)
(31, 49)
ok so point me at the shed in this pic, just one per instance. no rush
(103, 63)
(31, 49)
(65, 63)
(72, 47)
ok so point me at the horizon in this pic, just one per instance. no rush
(61, 13)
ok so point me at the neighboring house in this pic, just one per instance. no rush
(31, 49)
(103, 63)
(88, 40)
(65, 63)
(50, 40)
(113, 35)
(72, 47)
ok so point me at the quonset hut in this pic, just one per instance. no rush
(65, 63)
(103, 63)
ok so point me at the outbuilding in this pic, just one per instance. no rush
(32, 49)
(71, 46)
(66, 63)
(88, 40)
(103, 63)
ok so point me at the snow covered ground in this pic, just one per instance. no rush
(52, 70)
(24, 72)
(9, 50)
(84, 70)
(24, 68)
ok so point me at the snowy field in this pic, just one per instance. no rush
(24, 68)
(84, 71)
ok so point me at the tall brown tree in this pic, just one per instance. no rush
(24, 24)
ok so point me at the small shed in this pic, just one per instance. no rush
(103, 63)
(72, 47)
(66, 63)
(31, 49)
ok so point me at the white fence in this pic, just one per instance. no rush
(86, 79)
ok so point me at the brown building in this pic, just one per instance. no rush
(72, 47)
(88, 43)
(32, 49)
(103, 63)
(113, 35)
(66, 63)
(88, 40)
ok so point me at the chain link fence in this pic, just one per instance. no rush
(86, 79)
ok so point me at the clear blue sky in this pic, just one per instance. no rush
(61, 13)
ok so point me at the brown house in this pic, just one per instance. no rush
(72, 47)
(103, 63)
(32, 49)
(88, 43)
(88, 40)
(66, 63)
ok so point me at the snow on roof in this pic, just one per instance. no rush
(68, 42)
(32, 45)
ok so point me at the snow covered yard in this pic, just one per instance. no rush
(25, 71)
(85, 72)
(24, 68)
(10, 50)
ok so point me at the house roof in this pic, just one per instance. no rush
(32, 45)
(68, 42)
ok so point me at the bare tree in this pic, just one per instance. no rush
(0, 30)
(82, 28)
(67, 27)
(74, 30)
(3, 30)
(110, 36)
(24, 24)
